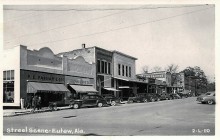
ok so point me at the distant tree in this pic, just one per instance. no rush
(145, 69)
(189, 71)
(156, 69)
(172, 68)
(211, 86)
(198, 74)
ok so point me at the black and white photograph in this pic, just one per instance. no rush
(109, 70)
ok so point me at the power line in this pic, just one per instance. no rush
(85, 22)
(24, 16)
(70, 25)
(153, 21)
(73, 9)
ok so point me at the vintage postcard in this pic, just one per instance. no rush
(131, 69)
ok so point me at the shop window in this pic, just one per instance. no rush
(123, 70)
(119, 69)
(8, 92)
(8, 86)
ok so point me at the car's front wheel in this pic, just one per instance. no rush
(152, 100)
(210, 102)
(113, 103)
(99, 104)
(76, 106)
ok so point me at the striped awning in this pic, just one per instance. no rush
(83, 89)
(34, 87)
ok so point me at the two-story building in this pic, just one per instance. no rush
(124, 74)
(114, 70)
(40, 72)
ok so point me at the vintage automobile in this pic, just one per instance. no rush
(164, 96)
(138, 98)
(143, 97)
(112, 100)
(175, 96)
(88, 100)
(208, 97)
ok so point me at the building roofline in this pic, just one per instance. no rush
(114, 51)
(152, 73)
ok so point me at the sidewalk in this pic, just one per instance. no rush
(17, 112)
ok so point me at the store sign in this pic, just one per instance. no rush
(155, 75)
(44, 77)
(79, 80)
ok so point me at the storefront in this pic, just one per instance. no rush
(79, 86)
(50, 87)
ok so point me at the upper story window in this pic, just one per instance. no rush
(109, 68)
(129, 71)
(119, 69)
(8, 75)
(123, 70)
(103, 67)
(98, 66)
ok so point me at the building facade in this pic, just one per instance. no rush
(40, 72)
(114, 70)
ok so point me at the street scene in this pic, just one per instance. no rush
(169, 117)
(109, 70)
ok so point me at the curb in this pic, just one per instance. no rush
(12, 114)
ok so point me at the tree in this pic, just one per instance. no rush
(198, 74)
(211, 86)
(156, 69)
(172, 68)
(145, 69)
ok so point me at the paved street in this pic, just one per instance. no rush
(169, 117)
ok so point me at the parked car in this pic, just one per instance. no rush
(208, 97)
(152, 97)
(138, 98)
(175, 96)
(88, 101)
(112, 100)
(164, 96)
(143, 97)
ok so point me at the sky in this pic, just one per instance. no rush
(157, 35)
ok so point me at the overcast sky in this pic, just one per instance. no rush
(157, 35)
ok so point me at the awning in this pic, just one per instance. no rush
(121, 78)
(34, 87)
(83, 89)
(111, 89)
(124, 87)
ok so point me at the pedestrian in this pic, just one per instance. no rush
(39, 103)
(34, 102)
(29, 102)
